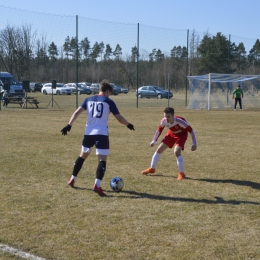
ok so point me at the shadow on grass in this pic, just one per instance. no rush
(218, 200)
(253, 185)
(77, 188)
(160, 175)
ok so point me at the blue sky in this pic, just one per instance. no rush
(236, 17)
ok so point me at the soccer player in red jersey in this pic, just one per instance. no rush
(176, 135)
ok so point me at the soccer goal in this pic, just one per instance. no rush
(214, 90)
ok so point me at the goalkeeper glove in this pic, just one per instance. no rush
(130, 126)
(65, 129)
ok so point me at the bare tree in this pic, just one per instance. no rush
(8, 47)
(25, 46)
(17, 50)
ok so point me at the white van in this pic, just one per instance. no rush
(11, 85)
(1, 86)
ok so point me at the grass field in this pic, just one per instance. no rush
(213, 214)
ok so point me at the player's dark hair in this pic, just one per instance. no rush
(169, 110)
(104, 86)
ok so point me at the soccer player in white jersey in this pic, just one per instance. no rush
(176, 135)
(98, 108)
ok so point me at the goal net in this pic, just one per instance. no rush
(215, 90)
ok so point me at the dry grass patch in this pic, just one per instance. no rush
(213, 214)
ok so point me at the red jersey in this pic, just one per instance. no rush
(179, 128)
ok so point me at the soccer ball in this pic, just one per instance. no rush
(117, 184)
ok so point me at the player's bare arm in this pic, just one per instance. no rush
(156, 135)
(76, 115)
(194, 141)
(123, 121)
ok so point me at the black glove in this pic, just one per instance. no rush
(65, 129)
(130, 126)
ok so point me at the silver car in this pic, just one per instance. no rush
(122, 90)
(59, 90)
(153, 92)
(95, 88)
(82, 89)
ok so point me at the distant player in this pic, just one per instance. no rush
(238, 94)
(98, 108)
(176, 135)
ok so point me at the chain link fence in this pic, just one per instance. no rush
(40, 47)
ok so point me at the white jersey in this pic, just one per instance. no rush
(98, 108)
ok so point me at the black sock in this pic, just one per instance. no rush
(77, 166)
(101, 170)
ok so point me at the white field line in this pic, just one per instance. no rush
(17, 252)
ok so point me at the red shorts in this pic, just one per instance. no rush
(172, 140)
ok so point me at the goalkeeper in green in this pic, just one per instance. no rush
(238, 94)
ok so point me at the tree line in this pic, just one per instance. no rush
(28, 57)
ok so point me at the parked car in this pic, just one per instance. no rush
(122, 90)
(1, 85)
(72, 86)
(69, 85)
(116, 90)
(153, 92)
(59, 90)
(82, 89)
(12, 87)
(95, 88)
(87, 84)
(36, 86)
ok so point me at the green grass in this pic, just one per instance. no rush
(213, 214)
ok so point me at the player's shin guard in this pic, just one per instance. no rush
(101, 170)
(180, 163)
(77, 166)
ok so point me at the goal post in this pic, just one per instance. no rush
(214, 90)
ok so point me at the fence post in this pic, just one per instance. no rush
(77, 61)
(209, 91)
(137, 62)
(187, 59)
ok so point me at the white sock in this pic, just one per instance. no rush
(73, 177)
(98, 183)
(155, 159)
(180, 163)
